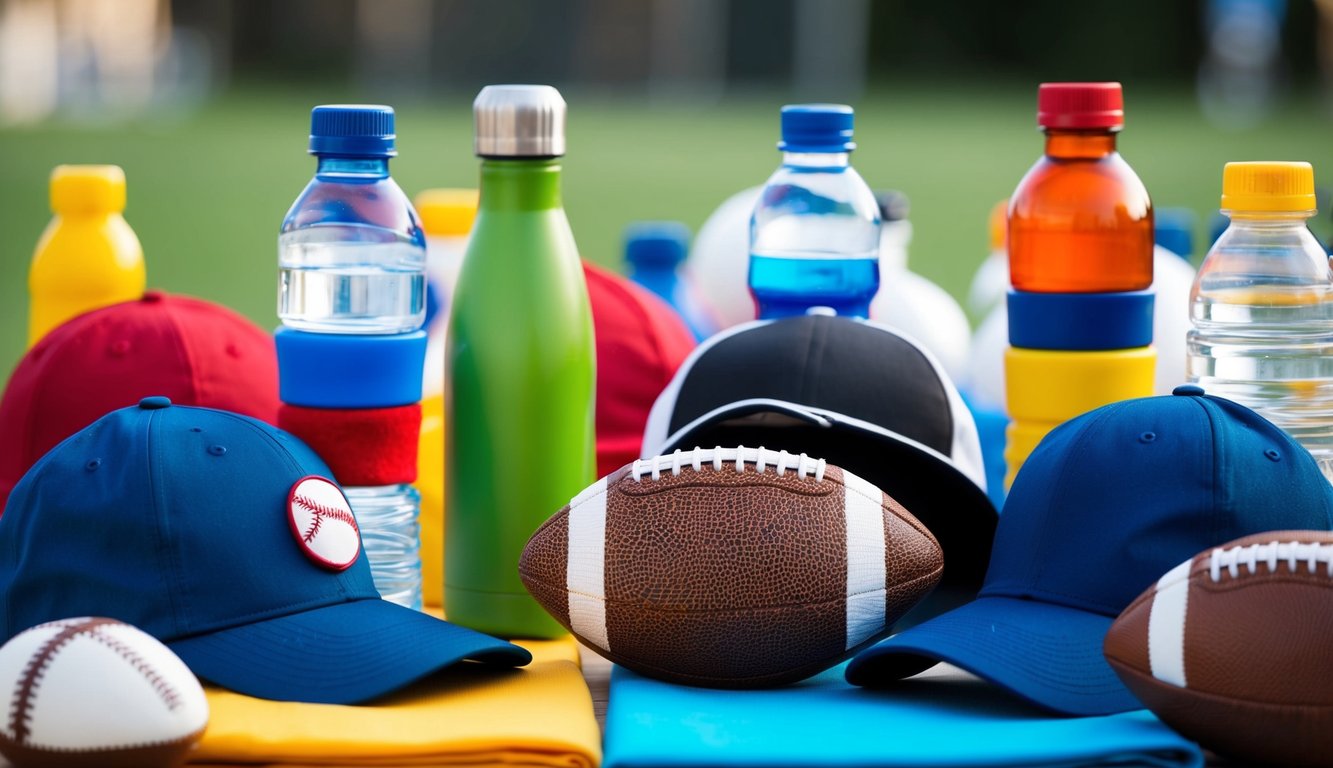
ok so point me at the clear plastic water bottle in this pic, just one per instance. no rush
(388, 516)
(352, 260)
(814, 234)
(1262, 306)
(352, 254)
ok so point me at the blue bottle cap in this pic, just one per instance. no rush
(817, 128)
(1173, 229)
(352, 130)
(657, 243)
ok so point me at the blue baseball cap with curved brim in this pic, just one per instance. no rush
(1106, 504)
(228, 540)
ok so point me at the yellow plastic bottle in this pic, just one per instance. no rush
(430, 483)
(88, 257)
(446, 215)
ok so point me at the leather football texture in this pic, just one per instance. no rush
(1234, 648)
(730, 567)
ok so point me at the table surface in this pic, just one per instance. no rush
(597, 671)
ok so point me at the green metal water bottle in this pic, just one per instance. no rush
(521, 366)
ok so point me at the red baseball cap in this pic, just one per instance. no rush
(192, 351)
(641, 341)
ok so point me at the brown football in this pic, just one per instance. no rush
(1234, 648)
(730, 567)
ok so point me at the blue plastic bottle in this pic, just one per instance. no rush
(654, 251)
(352, 260)
(814, 234)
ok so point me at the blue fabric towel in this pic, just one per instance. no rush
(941, 718)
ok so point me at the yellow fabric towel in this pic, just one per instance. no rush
(468, 715)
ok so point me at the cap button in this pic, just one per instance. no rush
(154, 402)
(151, 297)
(1188, 390)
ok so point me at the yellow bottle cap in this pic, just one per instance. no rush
(447, 212)
(87, 189)
(999, 225)
(1268, 187)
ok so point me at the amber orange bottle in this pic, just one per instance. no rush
(1080, 221)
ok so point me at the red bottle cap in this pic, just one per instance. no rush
(1080, 105)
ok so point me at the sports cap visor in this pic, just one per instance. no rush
(1047, 654)
(346, 653)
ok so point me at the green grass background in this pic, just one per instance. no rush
(207, 192)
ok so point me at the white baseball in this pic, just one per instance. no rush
(323, 524)
(100, 690)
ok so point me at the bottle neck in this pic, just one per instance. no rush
(816, 159)
(343, 168)
(87, 213)
(1079, 144)
(520, 184)
(1269, 219)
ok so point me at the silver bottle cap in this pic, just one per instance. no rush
(519, 121)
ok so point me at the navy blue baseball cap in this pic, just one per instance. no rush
(228, 540)
(1105, 505)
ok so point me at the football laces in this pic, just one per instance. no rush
(739, 457)
(1293, 553)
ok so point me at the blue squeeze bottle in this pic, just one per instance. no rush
(654, 253)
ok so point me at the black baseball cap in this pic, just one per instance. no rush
(862, 396)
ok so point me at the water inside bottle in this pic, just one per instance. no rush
(799, 280)
(387, 517)
(351, 287)
(1270, 349)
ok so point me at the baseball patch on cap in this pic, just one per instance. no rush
(321, 520)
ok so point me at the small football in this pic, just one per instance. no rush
(1234, 648)
(97, 692)
(730, 567)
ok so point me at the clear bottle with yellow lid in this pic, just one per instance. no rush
(1262, 306)
(88, 257)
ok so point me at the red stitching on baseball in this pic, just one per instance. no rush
(169, 695)
(316, 520)
(20, 716)
(319, 512)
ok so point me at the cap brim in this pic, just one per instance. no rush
(949, 503)
(1047, 654)
(339, 654)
